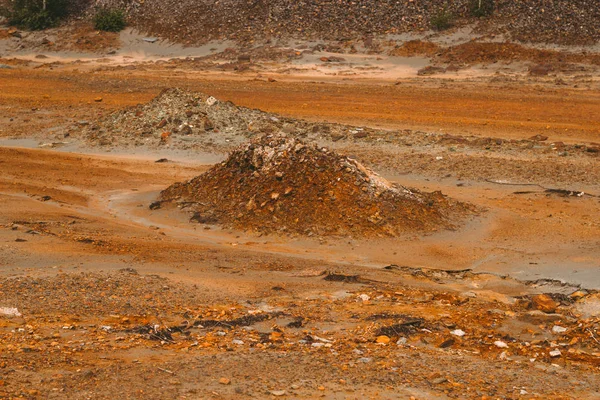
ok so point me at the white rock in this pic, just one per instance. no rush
(278, 393)
(10, 312)
(558, 329)
(211, 101)
(555, 353)
(320, 339)
(500, 344)
(364, 297)
(458, 332)
(237, 341)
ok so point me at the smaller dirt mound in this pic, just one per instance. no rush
(280, 184)
(176, 114)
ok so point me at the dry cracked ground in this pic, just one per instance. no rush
(103, 297)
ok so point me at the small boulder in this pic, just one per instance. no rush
(544, 303)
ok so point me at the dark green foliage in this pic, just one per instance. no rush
(36, 14)
(481, 8)
(442, 20)
(110, 19)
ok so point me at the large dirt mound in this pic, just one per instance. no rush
(278, 183)
(188, 21)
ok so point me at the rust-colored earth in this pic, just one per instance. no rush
(115, 300)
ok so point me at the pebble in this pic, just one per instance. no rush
(555, 353)
(500, 344)
(458, 332)
(558, 329)
(383, 339)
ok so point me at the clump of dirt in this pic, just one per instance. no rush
(277, 183)
(415, 48)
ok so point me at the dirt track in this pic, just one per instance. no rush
(93, 270)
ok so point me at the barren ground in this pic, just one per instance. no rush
(120, 301)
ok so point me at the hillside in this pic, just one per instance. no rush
(192, 21)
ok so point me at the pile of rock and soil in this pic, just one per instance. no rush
(277, 183)
(188, 120)
(173, 112)
(185, 120)
(191, 21)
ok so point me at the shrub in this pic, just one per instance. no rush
(36, 14)
(110, 20)
(481, 8)
(442, 20)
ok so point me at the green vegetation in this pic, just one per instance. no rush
(442, 20)
(110, 19)
(481, 8)
(35, 14)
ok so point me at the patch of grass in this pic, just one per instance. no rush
(442, 20)
(481, 8)
(110, 20)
